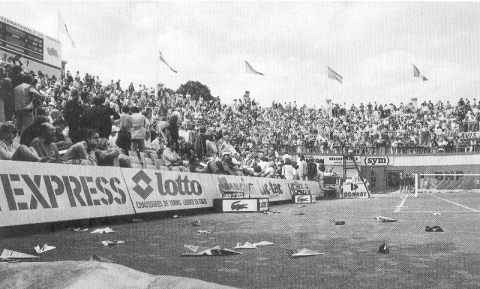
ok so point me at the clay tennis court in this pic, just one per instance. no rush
(417, 259)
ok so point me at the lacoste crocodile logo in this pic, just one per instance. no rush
(302, 199)
(237, 206)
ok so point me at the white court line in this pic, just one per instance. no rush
(431, 212)
(399, 207)
(460, 205)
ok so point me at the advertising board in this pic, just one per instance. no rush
(43, 193)
(153, 191)
(354, 190)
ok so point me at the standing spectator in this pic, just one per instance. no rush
(139, 130)
(302, 168)
(24, 95)
(45, 146)
(98, 117)
(124, 138)
(287, 170)
(15, 75)
(173, 129)
(6, 92)
(73, 112)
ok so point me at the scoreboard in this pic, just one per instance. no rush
(21, 41)
(42, 52)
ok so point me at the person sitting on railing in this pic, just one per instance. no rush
(63, 142)
(170, 158)
(45, 145)
(32, 131)
(83, 153)
(12, 150)
(106, 155)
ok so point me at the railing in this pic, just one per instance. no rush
(372, 150)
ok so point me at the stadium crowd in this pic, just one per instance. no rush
(83, 121)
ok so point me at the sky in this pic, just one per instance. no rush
(372, 45)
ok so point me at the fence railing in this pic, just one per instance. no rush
(372, 150)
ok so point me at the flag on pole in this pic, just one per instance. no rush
(333, 75)
(62, 27)
(251, 70)
(416, 73)
(163, 60)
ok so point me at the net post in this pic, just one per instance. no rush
(416, 186)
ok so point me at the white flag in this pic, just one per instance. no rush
(62, 27)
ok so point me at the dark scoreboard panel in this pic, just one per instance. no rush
(21, 41)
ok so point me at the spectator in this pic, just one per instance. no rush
(73, 113)
(112, 139)
(15, 75)
(106, 155)
(24, 95)
(45, 146)
(83, 153)
(170, 158)
(140, 125)
(10, 150)
(63, 142)
(212, 148)
(302, 168)
(288, 172)
(98, 117)
(5, 92)
(124, 139)
(172, 128)
(32, 131)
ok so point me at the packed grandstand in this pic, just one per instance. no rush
(79, 120)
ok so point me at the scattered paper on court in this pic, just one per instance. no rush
(103, 231)
(263, 243)
(384, 249)
(137, 220)
(196, 251)
(44, 249)
(433, 229)
(437, 214)
(80, 229)
(9, 254)
(385, 219)
(247, 245)
(339, 222)
(303, 253)
(100, 259)
(271, 212)
(299, 214)
(109, 243)
(196, 223)
(204, 231)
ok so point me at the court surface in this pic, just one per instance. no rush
(417, 259)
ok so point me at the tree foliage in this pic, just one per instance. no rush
(196, 90)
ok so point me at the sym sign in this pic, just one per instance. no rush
(376, 161)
